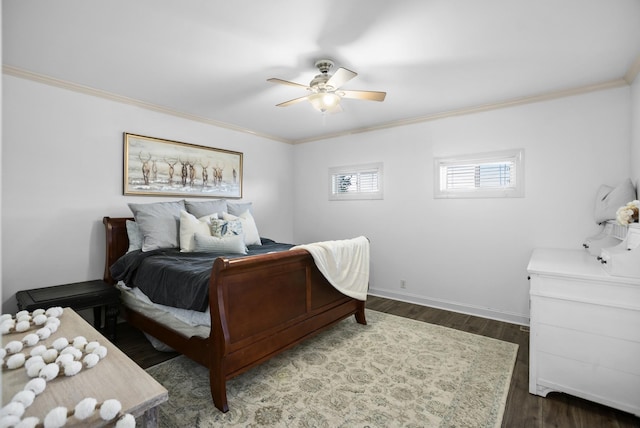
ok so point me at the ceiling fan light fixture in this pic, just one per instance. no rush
(324, 101)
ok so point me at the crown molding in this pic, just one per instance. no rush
(629, 77)
(478, 109)
(87, 90)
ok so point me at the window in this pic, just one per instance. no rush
(355, 182)
(488, 175)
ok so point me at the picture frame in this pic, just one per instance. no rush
(159, 167)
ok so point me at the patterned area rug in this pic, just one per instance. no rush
(392, 372)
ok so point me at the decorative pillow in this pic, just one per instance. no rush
(189, 225)
(251, 235)
(203, 208)
(135, 238)
(230, 244)
(609, 199)
(159, 224)
(221, 228)
(237, 208)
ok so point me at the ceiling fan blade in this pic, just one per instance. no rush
(286, 82)
(290, 102)
(340, 77)
(363, 95)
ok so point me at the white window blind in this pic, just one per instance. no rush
(356, 182)
(497, 174)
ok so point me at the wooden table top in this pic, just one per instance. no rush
(115, 376)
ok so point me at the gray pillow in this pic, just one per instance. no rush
(229, 244)
(133, 233)
(159, 224)
(205, 208)
(609, 199)
(237, 208)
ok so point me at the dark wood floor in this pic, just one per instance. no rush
(522, 409)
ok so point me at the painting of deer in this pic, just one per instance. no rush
(151, 165)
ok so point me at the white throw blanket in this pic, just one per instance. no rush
(344, 263)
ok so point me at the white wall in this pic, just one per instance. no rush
(62, 172)
(470, 255)
(635, 132)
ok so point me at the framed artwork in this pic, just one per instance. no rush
(157, 167)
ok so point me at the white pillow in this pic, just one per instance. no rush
(189, 226)
(251, 235)
(229, 244)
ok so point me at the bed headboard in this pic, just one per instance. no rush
(117, 243)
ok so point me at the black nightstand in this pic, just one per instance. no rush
(80, 295)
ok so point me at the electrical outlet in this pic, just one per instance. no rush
(403, 283)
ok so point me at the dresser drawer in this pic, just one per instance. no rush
(591, 349)
(599, 320)
(610, 387)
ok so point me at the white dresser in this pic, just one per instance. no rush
(585, 330)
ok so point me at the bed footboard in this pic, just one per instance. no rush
(263, 305)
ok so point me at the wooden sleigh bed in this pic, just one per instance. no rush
(260, 306)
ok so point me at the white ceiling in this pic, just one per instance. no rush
(211, 59)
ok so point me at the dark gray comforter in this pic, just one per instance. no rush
(172, 278)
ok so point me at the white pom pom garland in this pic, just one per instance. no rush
(91, 346)
(34, 369)
(30, 422)
(25, 317)
(23, 321)
(9, 421)
(45, 364)
(127, 421)
(56, 311)
(38, 351)
(21, 313)
(52, 327)
(50, 355)
(30, 339)
(13, 408)
(64, 359)
(33, 360)
(72, 368)
(40, 319)
(90, 360)
(60, 343)
(100, 351)
(44, 333)
(36, 385)
(16, 361)
(49, 372)
(110, 409)
(56, 418)
(25, 397)
(74, 352)
(13, 347)
(79, 342)
(85, 408)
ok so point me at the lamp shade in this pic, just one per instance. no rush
(324, 101)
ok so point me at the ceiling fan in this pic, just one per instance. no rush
(325, 89)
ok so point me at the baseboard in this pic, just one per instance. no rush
(512, 318)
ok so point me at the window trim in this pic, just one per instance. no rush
(355, 169)
(515, 155)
